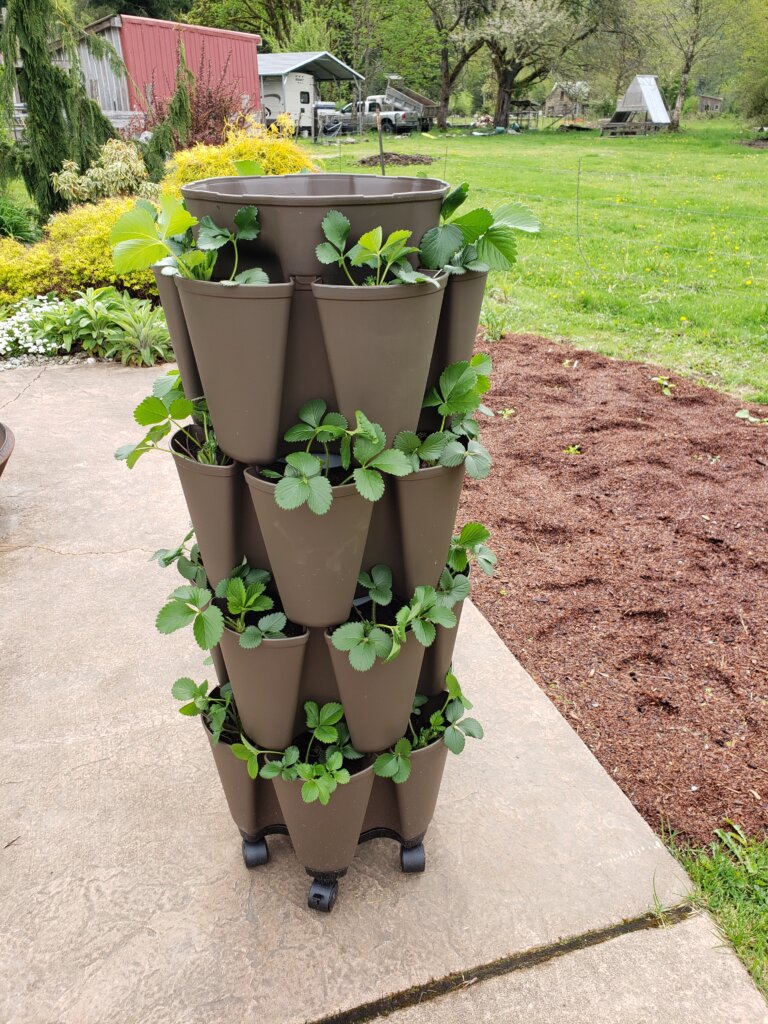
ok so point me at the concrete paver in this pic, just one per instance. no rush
(124, 896)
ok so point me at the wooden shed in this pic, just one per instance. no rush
(710, 104)
(567, 99)
(149, 50)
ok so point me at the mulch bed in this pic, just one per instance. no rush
(633, 578)
(396, 160)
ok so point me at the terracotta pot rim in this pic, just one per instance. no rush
(177, 440)
(266, 193)
(285, 641)
(7, 442)
(376, 293)
(243, 292)
(256, 482)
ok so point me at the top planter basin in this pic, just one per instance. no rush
(7, 442)
(292, 207)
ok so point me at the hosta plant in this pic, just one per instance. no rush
(366, 638)
(362, 459)
(219, 712)
(144, 237)
(457, 396)
(448, 723)
(166, 410)
(387, 258)
(321, 766)
(480, 240)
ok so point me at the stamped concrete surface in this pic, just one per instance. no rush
(123, 896)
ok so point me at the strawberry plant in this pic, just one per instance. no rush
(387, 258)
(469, 546)
(219, 712)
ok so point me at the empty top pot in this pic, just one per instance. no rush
(316, 189)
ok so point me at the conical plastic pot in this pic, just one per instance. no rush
(325, 838)
(426, 509)
(221, 511)
(315, 559)
(219, 667)
(377, 703)
(292, 208)
(177, 328)
(379, 343)
(439, 657)
(456, 331)
(7, 442)
(417, 797)
(252, 802)
(265, 682)
(239, 335)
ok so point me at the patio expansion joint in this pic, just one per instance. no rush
(461, 980)
(6, 549)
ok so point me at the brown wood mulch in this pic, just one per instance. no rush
(396, 160)
(633, 578)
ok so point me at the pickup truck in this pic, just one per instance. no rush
(425, 109)
(392, 119)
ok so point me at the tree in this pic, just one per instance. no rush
(62, 122)
(691, 28)
(530, 39)
(454, 20)
(271, 19)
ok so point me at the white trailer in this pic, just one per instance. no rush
(289, 84)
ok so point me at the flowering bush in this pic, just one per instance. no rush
(75, 253)
(118, 171)
(272, 148)
(101, 322)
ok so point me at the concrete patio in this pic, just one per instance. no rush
(124, 897)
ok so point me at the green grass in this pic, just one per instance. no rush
(667, 261)
(731, 880)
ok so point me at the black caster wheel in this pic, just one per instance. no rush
(322, 896)
(255, 853)
(413, 859)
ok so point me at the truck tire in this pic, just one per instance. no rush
(387, 126)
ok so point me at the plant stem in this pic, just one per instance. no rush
(234, 268)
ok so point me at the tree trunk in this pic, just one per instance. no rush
(446, 84)
(677, 110)
(506, 76)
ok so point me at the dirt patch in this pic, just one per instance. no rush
(633, 578)
(756, 143)
(396, 160)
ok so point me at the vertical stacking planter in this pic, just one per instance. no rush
(7, 442)
(313, 382)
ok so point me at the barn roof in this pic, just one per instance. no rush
(323, 66)
(643, 97)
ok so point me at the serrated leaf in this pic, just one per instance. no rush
(247, 223)
(432, 446)
(184, 689)
(325, 733)
(208, 627)
(305, 464)
(271, 769)
(150, 411)
(274, 623)
(371, 240)
(336, 229)
(320, 496)
(403, 770)
(471, 727)
(473, 224)
(345, 637)
(363, 655)
(191, 710)
(311, 713)
(174, 219)
(424, 632)
(250, 638)
(439, 245)
(370, 483)
(453, 738)
(210, 236)
(291, 492)
(385, 765)
(473, 533)
(174, 615)
(253, 276)
(407, 442)
(498, 247)
(331, 713)
(393, 462)
(515, 215)
(478, 461)
(326, 253)
(312, 412)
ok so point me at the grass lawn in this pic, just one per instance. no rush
(667, 261)
(731, 880)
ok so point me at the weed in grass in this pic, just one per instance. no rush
(731, 881)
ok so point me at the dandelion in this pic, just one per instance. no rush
(683, 319)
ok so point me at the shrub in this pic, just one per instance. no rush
(16, 221)
(75, 253)
(118, 171)
(246, 139)
(100, 321)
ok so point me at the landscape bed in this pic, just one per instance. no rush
(633, 576)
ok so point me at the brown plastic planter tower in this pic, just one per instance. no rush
(257, 354)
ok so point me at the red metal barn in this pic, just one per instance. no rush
(149, 49)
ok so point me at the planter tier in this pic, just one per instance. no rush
(257, 354)
(239, 336)
(265, 683)
(377, 703)
(7, 442)
(371, 335)
(177, 329)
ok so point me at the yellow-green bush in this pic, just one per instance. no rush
(271, 147)
(74, 254)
